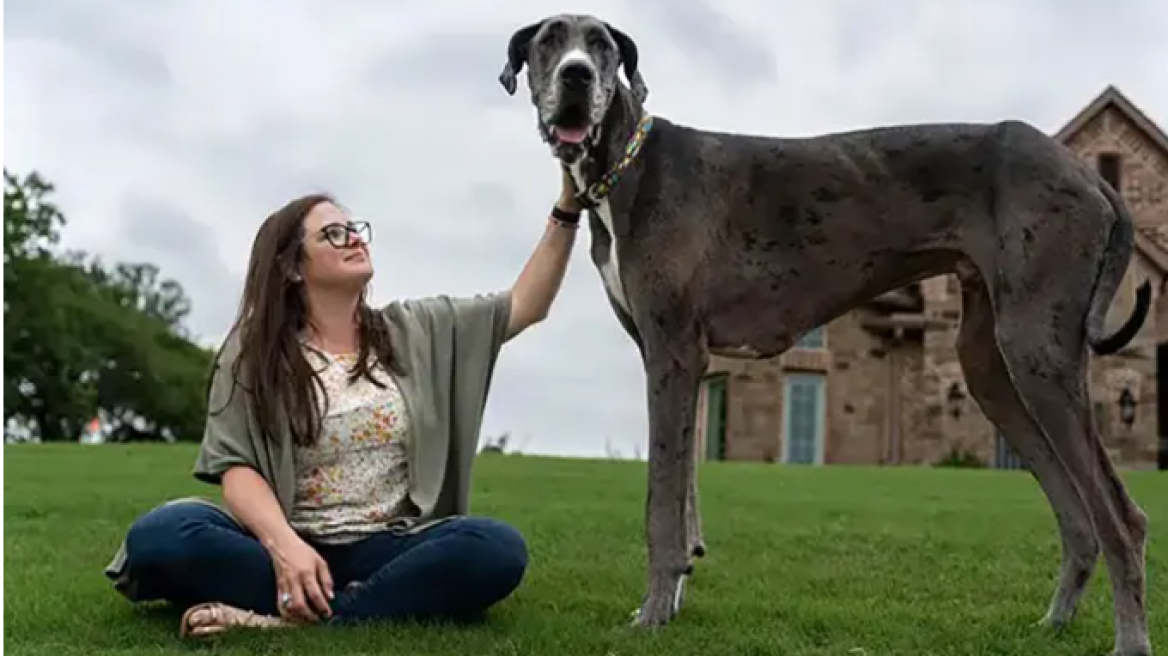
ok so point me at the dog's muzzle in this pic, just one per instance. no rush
(576, 79)
(571, 121)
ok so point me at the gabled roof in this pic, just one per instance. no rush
(1151, 241)
(1151, 247)
(1113, 97)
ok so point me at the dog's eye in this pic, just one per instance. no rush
(596, 41)
(553, 35)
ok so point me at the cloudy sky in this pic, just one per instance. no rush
(172, 128)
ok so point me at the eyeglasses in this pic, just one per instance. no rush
(337, 234)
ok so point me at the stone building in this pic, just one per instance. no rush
(881, 385)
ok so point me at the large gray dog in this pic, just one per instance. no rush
(734, 244)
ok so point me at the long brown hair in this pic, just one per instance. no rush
(272, 314)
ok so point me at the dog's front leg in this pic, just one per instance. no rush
(673, 374)
(693, 515)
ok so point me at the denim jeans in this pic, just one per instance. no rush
(189, 553)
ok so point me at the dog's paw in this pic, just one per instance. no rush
(1051, 623)
(651, 615)
(658, 608)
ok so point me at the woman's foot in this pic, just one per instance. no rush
(215, 618)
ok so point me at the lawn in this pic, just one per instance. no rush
(803, 561)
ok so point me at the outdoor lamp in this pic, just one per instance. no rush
(955, 396)
(1127, 407)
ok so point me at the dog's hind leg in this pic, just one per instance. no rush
(674, 365)
(989, 384)
(1041, 338)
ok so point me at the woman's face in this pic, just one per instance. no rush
(336, 249)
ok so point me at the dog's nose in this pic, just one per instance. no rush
(576, 75)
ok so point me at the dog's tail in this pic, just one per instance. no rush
(1120, 244)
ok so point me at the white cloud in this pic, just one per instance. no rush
(172, 129)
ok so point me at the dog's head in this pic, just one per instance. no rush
(572, 70)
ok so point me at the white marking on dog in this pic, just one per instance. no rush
(610, 270)
(574, 55)
(596, 102)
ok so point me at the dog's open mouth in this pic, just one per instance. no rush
(569, 135)
(570, 125)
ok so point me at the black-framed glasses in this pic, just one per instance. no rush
(337, 234)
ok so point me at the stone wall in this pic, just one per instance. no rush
(753, 403)
(1144, 169)
(857, 395)
(950, 422)
(856, 366)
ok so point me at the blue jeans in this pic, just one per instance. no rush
(189, 553)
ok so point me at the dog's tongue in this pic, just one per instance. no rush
(571, 135)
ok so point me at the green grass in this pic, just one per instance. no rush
(849, 561)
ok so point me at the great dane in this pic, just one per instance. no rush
(712, 242)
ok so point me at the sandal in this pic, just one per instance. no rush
(214, 618)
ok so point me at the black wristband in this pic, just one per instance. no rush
(565, 215)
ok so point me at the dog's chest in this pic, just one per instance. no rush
(610, 265)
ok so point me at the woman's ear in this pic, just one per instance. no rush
(292, 273)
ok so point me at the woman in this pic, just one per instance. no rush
(342, 437)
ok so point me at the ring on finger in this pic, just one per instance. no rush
(285, 599)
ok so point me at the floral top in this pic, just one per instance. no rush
(353, 480)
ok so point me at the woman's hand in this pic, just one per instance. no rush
(303, 583)
(568, 192)
(302, 577)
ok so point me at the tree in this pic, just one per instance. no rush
(137, 286)
(496, 445)
(82, 337)
(41, 380)
(31, 222)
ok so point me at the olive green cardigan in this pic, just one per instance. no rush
(448, 346)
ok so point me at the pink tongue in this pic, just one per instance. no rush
(571, 135)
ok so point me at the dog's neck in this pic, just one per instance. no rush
(619, 125)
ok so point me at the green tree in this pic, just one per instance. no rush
(81, 336)
(138, 286)
(31, 222)
(43, 379)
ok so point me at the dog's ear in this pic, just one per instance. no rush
(517, 49)
(629, 59)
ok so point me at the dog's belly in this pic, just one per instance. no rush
(767, 314)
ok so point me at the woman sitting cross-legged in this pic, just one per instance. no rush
(342, 437)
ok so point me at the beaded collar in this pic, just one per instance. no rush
(597, 191)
